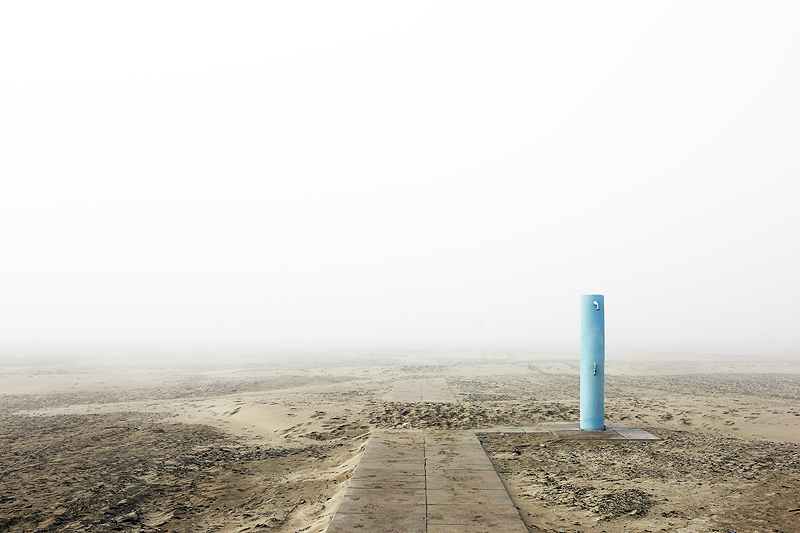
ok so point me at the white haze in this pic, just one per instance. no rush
(413, 174)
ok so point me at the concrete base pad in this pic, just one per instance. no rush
(572, 430)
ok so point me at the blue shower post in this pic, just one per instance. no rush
(593, 354)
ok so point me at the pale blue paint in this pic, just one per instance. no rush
(593, 355)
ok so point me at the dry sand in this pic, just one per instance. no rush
(93, 445)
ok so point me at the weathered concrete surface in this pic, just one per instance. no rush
(421, 390)
(572, 430)
(434, 482)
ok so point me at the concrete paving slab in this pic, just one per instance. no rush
(475, 527)
(463, 439)
(394, 458)
(378, 523)
(496, 521)
(579, 436)
(561, 425)
(415, 482)
(388, 473)
(422, 390)
(453, 497)
(457, 490)
(443, 457)
(536, 430)
(465, 458)
(572, 430)
(467, 507)
(588, 435)
(394, 463)
(637, 434)
(473, 510)
(462, 445)
(390, 454)
(398, 495)
(451, 448)
(449, 436)
(396, 469)
(374, 505)
(401, 442)
(466, 465)
(455, 450)
(459, 480)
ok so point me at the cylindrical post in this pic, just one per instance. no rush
(593, 355)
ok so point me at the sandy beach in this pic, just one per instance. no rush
(245, 445)
(330, 267)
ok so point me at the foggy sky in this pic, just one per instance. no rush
(344, 174)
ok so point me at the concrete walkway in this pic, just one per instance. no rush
(421, 390)
(410, 482)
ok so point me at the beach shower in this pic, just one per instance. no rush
(593, 354)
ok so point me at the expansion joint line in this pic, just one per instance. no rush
(425, 473)
(451, 390)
